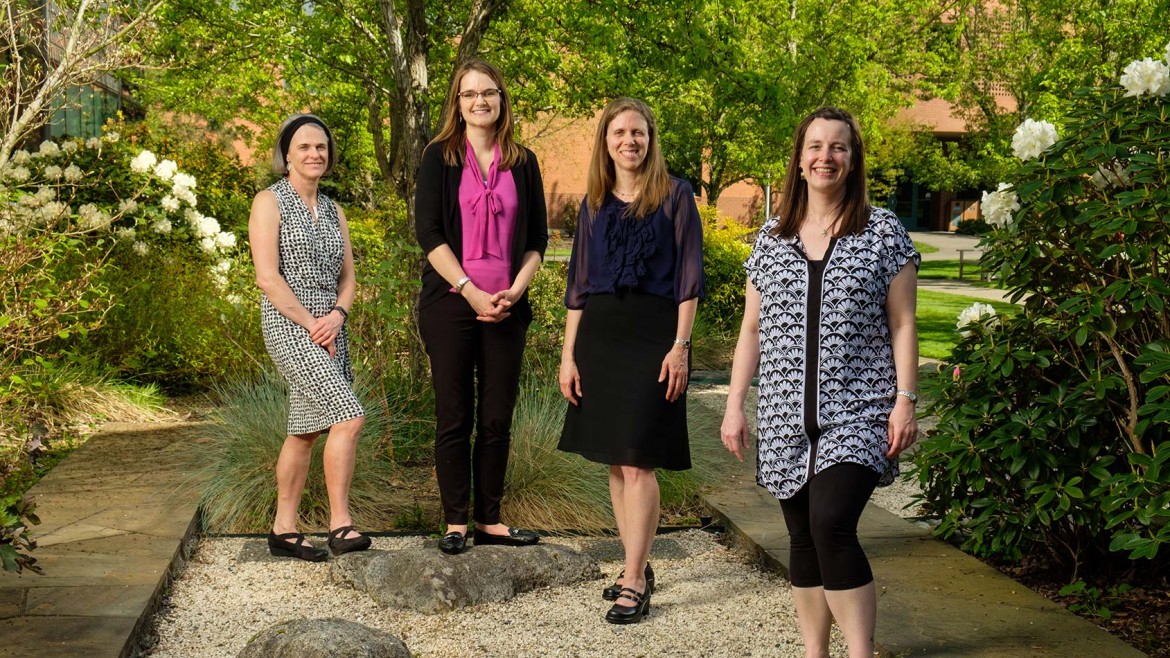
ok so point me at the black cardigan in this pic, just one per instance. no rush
(438, 220)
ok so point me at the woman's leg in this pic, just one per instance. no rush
(638, 501)
(837, 497)
(812, 610)
(449, 332)
(498, 361)
(292, 469)
(340, 454)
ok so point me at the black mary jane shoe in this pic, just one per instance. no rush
(453, 543)
(612, 592)
(629, 614)
(337, 545)
(280, 546)
(515, 537)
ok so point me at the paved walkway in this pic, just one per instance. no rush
(113, 531)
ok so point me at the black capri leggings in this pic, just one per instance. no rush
(822, 524)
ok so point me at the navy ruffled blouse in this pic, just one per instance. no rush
(661, 254)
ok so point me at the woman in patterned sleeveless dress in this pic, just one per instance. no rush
(829, 320)
(304, 266)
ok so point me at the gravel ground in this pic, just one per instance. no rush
(712, 601)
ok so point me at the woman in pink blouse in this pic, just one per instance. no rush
(480, 219)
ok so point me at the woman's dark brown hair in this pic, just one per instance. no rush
(854, 210)
(453, 134)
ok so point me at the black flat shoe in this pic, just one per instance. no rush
(338, 545)
(515, 537)
(280, 546)
(629, 614)
(453, 543)
(612, 592)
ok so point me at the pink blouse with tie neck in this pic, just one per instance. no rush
(488, 205)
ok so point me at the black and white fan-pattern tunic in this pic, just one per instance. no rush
(311, 255)
(851, 391)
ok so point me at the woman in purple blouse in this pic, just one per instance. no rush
(480, 219)
(635, 279)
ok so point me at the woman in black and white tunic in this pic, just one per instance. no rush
(304, 266)
(829, 320)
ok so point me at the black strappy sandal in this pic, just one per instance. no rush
(338, 545)
(280, 546)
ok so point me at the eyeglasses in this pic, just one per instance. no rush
(488, 94)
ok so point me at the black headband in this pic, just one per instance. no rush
(294, 126)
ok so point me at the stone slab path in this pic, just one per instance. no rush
(112, 531)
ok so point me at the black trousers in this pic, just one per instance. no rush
(822, 526)
(469, 360)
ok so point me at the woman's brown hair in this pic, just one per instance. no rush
(453, 134)
(854, 209)
(654, 182)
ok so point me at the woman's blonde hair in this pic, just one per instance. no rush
(654, 182)
(453, 134)
(855, 208)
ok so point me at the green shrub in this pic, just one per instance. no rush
(1054, 430)
(236, 463)
(15, 544)
(725, 248)
(973, 227)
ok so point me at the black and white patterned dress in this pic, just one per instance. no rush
(826, 400)
(311, 255)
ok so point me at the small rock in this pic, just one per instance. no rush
(324, 638)
(427, 581)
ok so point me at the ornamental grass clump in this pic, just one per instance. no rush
(235, 463)
(1054, 424)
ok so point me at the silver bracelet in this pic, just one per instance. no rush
(462, 282)
(685, 342)
(910, 395)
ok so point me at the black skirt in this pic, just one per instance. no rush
(623, 417)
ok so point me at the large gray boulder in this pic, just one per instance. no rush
(428, 581)
(324, 638)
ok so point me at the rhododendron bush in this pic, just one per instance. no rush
(1054, 432)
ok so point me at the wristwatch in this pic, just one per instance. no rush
(911, 395)
(685, 342)
(462, 282)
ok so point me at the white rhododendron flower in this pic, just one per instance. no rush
(207, 244)
(48, 149)
(977, 313)
(166, 169)
(21, 157)
(126, 233)
(17, 174)
(205, 227)
(53, 171)
(1110, 175)
(143, 162)
(93, 143)
(73, 173)
(223, 266)
(1033, 138)
(127, 206)
(184, 194)
(69, 147)
(169, 203)
(53, 210)
(1000, 206)
(184, 180)
(1146, 76)
(112, 137)
(91, 216)
(141, 248)
(225, 240)
(162, 226)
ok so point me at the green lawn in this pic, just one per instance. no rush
(949, 269)
(937, 314)
(924, 248)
